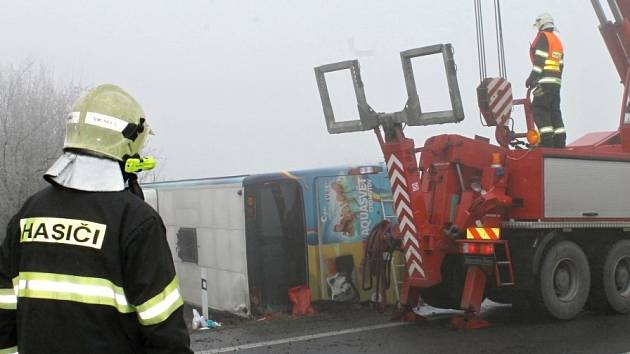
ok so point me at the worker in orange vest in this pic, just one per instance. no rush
(546, 54)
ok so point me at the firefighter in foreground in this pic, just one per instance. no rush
(85, 266)
(546, 54)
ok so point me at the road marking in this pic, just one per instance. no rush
(303, 338)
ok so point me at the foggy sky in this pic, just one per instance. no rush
(228, 85)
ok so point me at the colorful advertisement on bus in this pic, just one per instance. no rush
(349, 206)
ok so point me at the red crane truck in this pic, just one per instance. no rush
(512, 222)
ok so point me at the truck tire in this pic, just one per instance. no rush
(564, 280)
(610, 289)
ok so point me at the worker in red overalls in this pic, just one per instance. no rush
(547, 54)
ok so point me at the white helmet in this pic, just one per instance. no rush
(544, 21)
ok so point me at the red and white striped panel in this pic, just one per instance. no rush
(402, 207)
(500, 99)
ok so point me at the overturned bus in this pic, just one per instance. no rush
(239, 243)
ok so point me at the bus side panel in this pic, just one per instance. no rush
(216, 214)
(150, 196)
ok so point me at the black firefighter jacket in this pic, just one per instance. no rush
(88, 272)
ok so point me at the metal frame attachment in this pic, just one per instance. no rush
(367, 117)
(414, 114)
(411, 114)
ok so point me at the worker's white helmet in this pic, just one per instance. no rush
(544, 21)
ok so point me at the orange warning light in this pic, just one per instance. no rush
(533, 137)
(496, 159)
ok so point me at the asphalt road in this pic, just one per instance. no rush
(340, 329)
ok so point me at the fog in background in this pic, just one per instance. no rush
(228, 85)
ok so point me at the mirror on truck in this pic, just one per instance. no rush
(411, 114)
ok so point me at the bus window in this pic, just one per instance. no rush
(276, 241)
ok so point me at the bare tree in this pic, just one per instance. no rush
(33, 107)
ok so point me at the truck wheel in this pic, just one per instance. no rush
(565, 280)
(610, 291)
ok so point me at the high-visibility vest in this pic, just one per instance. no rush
(548, 62)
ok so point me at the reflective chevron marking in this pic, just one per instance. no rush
(397, 176)
(415, 266)
(402, 207)
(400, 192)
(405, 221)
(393, 160)
(409, 237)
(412, 251)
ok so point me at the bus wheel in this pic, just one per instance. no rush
(565, 280)
(610, 291)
